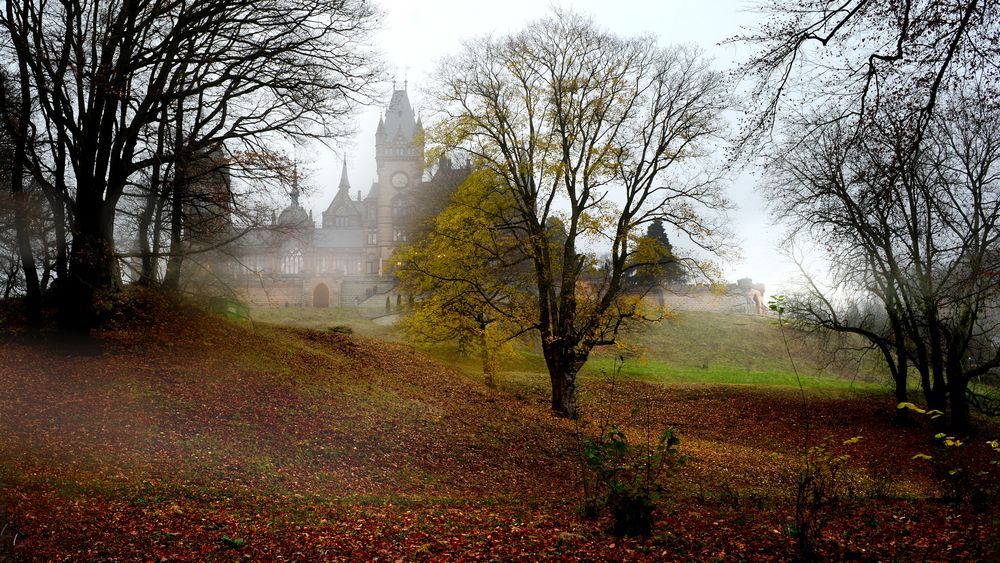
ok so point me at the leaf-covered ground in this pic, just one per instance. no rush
(187, 437)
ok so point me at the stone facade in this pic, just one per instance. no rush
(347, 259)
(728, 298)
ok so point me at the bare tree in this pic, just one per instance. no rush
(15, 114)
(106, 74)
(916, 228)
(854, 58)
(851, 101)
(600, 133)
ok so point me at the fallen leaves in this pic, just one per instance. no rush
(293, 444)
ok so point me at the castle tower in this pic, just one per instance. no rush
(399, 160)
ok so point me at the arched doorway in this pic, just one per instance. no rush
(321, 296)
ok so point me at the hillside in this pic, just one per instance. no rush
(708, 347)
(687, 347)
(192, 437)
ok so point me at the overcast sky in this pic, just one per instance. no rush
(415, 35)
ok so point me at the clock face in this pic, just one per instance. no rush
(400, 180)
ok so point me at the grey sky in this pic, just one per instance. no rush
(416, 34)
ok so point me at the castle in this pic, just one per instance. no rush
(347, 260)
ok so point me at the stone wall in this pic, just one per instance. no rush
(729, 298)
(274, 293)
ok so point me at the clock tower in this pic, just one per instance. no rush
(399, 161)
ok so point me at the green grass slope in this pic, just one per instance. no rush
(685, 348)
(720, 348)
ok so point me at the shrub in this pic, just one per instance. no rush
(821, 485)
(626, 479)
(969, 471)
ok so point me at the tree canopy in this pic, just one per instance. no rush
(877, 121)
(596, 134)
(109, 80)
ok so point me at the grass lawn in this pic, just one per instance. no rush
(324, 319)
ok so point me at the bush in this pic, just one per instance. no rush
(820, 486)
(626, 479)
(969, 471)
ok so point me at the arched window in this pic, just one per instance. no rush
(291, 262)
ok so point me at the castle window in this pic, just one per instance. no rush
(372, 238)
(338, 264)
(291, 262)
(254, 264)
(340, 221)
(398, 235)
(400, 207)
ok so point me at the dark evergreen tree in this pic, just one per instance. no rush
(663, 268)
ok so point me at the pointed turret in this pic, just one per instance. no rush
(342, 212)
(295, 186)
(345, 184)
(399, 137)
(400, 122)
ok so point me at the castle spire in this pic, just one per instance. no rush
(400, 120)
(345, 184)
(295, 185)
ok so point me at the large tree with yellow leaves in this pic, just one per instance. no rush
(583, 138)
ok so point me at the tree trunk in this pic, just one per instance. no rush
(92, 268)
(960, 421)
(172, 277)
(33, 291)
(490, 366)
(147, 269)
(91, 272)
(54, 196)
(17, 123)
(150, 220)
(900, 377)
(958, 401)
(62, 247)
(901, 370)
(489, 369)
(563, 364)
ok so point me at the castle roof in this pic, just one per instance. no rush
(342, 200)
(294, 215)
(400, 121)
(345, 184)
